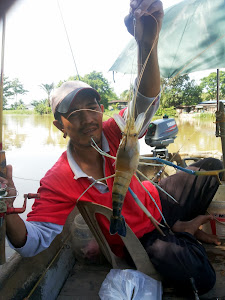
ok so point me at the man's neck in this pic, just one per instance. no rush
(84, 153)
(89, 160)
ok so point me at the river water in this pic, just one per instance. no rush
(33, 144)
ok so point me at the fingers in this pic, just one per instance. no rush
(156, 7)
(141, 8)
(128, 20)
(8, 180)
(11, 190)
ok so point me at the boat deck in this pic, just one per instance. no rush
(85, 281)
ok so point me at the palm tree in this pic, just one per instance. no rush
(47, 88)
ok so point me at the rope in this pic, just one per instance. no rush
(68, 40)
(46, 270)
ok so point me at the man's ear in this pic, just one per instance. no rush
(102, 107)
(58, 125)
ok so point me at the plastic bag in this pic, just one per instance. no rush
(130, 284)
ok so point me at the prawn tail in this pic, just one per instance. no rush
(118, 225)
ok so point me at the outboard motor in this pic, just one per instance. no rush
(160, 134)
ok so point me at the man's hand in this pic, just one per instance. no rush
(11, 190)
(145, 20)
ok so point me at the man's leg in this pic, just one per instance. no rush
(178, 258)
(193, 193)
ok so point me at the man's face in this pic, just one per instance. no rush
(83, 121)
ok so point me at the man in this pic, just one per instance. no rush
(78, 114)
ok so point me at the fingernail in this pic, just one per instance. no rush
(134, 4)
(137, 12)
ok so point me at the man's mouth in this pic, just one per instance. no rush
(89, 130)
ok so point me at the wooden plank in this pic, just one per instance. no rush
(84, 282)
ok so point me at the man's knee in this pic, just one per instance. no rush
(179, 259)
(209, 163)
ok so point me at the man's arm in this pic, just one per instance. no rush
(16, 230)
(144, 23)
(39, 237)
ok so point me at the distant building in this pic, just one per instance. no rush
(30, 106)
(120, 103)
(206, 106)
(180, 109)
(209, 106)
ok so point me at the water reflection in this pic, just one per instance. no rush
(29, 130)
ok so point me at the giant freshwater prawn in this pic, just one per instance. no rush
(128, 159)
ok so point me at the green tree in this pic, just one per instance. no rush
(209, 86)
(18, 105)
(17, 88)
(180, 91)
(35, 103)
(127, 94)
(101, 84)
(42, 107)
(47, 88)
(12, 88)
(7, 91)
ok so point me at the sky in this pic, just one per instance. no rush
(37, 50)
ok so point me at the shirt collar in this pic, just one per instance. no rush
(78, 173)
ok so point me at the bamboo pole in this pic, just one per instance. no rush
(2, 153)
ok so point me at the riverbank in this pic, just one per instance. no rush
(205, 115)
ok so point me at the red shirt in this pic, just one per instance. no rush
(59, 192)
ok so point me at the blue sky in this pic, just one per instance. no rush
(37, 50)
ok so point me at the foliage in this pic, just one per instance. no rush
(205, 116)
(17, 87)
(180, 91)
(12, 88)
(7, 91)
(209, 86)
(110, 113)
(127, 95)
(170, 111)
(42, 107)
(20, 112)
(47, 88)
(35, 102)
(19, 105)
(97, 81)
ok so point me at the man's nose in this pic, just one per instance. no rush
(86, 115)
